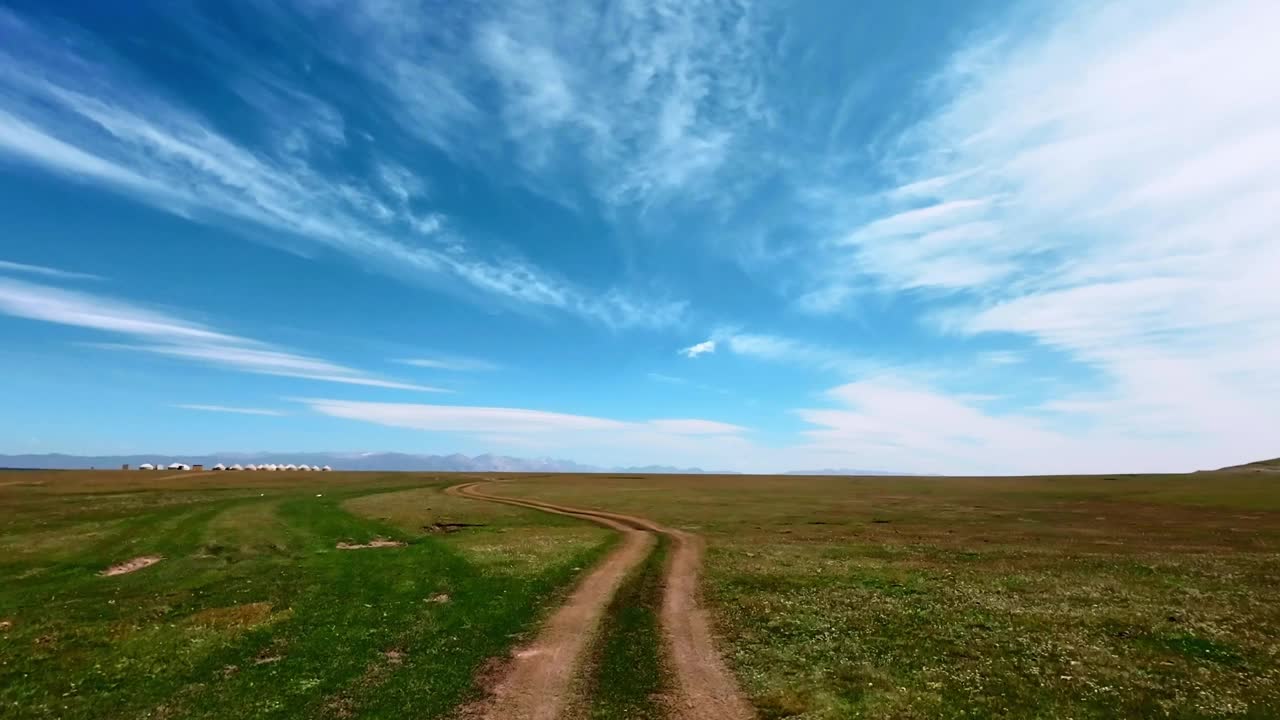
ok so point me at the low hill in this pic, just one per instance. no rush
(1272, 465)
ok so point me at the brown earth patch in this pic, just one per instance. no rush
(234, 617)
(5, 625)
(374, 543)
(450, 527)
(131, 565)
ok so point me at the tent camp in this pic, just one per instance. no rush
(250, 466)
(219, 466)
(237, 466)
(179, 466)
(290, 467)
(305, 467)
(146, 466)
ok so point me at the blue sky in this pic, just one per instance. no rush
(928, 237)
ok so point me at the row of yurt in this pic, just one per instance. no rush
(270, 467)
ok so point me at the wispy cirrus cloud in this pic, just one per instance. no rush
(231, 410)
(706, 347)
(16, 267)
(1102, 182)
(84, 114)
(505, 420)
(892, 421)
(454, 363)
(780, 349)
(160, 333)
(648, 102)
(589, 437)
(685, 382)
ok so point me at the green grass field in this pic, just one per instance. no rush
(1102, 597)
(253, 612)
(1130, 597)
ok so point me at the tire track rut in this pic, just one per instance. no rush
(539, 683)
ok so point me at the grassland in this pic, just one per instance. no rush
(253, 611)
(1134, 597)
(1101, 597)
(626, 677)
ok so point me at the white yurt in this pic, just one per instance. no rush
(250, 466)
(179, 466)
(326, 468)
(305, 467)
(237, 466)
(146, 466)
(219, 466)
(271, 467)
(290, 467)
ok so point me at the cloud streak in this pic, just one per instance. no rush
(646, 101)
(1104, 185)
(103, 127)
(15, 267)
(159, 333)
(452, 363)
(504, 420)
(705, 347)
(231, 410)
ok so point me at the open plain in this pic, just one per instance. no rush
(220, 595)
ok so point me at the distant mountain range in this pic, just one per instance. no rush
(386, 461)
(853, 472)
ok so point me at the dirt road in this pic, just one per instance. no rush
(703, 687)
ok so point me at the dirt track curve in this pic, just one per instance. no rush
(538, 684)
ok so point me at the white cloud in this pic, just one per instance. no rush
(67, 307)
(461, 418)
(1000, 357)
(1105, 184)
(160, 333)
(453, 363)
(28, 142)
(705, 347)
(15, 267)
(695, 427)
(790, 351)
(400, 182)
(103, 127)
(268, 361)
(889, 422)
(685, 382)
(592, 439)
(646, 101)
(503, 420)
(232, 410)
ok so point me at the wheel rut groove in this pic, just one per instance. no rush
(538, 684)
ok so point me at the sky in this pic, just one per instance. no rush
(961, 238)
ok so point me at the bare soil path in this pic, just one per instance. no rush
(703, 687)
(537, 684)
